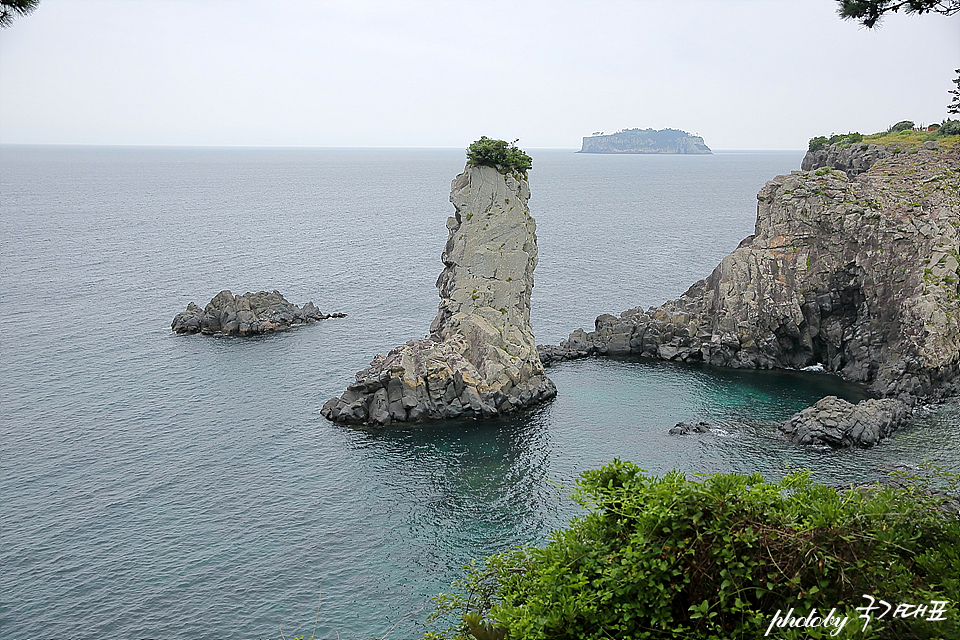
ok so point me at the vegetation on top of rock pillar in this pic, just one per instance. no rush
(502, 155)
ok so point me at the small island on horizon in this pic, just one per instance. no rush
(644, 141)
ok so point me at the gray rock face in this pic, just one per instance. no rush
(838, 423)
(249, 314)
(480, 358)
(860, 275)
(853, 159)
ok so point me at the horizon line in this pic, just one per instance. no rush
(331, 147)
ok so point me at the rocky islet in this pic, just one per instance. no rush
(645, 141)
(247, 314)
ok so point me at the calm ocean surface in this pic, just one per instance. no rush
(183, 487)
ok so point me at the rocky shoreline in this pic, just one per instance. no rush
(246, 315)
(859, 272)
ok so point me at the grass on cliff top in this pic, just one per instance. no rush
(910, 139)
(905, 140)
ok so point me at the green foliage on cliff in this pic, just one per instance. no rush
(903, 125)
(949, 128)
(844, 139)
(717, 558)
(498, 153)
(899, 136)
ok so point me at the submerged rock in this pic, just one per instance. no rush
(686, 428)
(838, 423)
(249, 314)
(480, 358)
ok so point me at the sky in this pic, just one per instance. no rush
(743, 74)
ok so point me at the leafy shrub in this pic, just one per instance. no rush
(817, 143)
(842, 139)
(505, 156)
(903, 125)
(851, 138)
(715, 559)
(949, 128)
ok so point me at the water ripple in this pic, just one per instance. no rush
(157, 485)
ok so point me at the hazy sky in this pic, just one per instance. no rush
(744, 74)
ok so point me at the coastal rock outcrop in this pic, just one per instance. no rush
(861, 275)
(480, 358)
(852, 159)
(249, 314)
(838, 423)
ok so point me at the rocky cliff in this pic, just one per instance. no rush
(859, 274)
(645, 141)
(854, 159)
(480, 358)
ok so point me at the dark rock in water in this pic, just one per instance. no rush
(480, 358)
(249, 314)
(685, 428)
(838, 423)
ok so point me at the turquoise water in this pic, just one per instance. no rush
(163, 486)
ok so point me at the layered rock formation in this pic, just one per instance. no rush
(854, 159)
(249, 314)
(480, 357)
(861, 275)
(645, 141)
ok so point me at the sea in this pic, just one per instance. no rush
(164, 486)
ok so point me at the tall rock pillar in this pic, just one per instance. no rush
(480, 358)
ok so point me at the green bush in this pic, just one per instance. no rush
(676, 558)
(949, 128)
(903, 125)
(505, 156)
(817, 143)
(842, 139)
